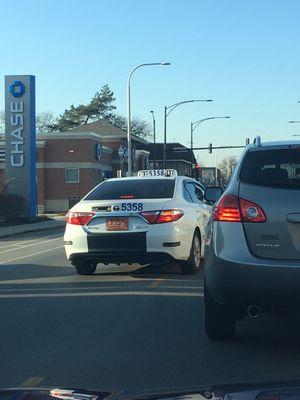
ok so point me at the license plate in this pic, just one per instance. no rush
(117, 224)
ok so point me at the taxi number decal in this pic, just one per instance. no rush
(132, 207)
(158, 172)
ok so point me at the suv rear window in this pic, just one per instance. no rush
(278, 168)
(133, 189)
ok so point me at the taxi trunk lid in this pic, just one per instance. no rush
(121, 215)
(117, 204)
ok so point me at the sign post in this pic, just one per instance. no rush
(20, 146)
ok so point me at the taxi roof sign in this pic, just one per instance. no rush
(158, 172)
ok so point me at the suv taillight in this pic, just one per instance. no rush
(79, 218)
(233, 209)
(227, 209)
(252, 212)
(161, 217)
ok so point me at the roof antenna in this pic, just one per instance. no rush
(257, 141)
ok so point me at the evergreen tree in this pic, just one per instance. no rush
(100, 107)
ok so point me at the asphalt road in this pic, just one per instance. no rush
(126, 328)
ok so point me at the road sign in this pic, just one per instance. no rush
(208, 174)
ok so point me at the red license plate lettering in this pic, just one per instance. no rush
(117, 224)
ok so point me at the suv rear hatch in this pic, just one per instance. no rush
(270, 177)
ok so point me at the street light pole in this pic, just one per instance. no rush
(129, 111)
(154, 141)
(295, 122)
(192, 143)
(195, 125)
(165, 137)
(167, 112)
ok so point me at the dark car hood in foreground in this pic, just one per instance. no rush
(265, 391)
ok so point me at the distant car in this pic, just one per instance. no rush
(252, 252)
(154, 217)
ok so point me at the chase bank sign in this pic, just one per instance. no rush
(17, 90)
(20, 138)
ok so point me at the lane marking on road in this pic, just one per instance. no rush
(61, 288)
(157, 281)
(81, 287)
(21, 243)
(77, 279)
(32, 381)
(95, 294)
(30, 245)
(183, 287)
(30, 255)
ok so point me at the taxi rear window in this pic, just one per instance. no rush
(133, 189)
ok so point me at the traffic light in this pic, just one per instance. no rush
(210, 148)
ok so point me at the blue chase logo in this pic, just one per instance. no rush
(17, 88)
(98, 151)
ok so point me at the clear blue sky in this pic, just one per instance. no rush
(242, 54)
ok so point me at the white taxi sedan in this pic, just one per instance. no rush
(152, 218)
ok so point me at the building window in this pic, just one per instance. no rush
(72, 175)
(96, 175)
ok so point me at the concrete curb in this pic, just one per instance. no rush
(38, 226)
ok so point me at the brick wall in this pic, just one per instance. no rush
(54, 155)
(69, 150)
(56, 188)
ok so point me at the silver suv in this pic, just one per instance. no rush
(252, 252)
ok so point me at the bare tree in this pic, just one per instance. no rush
(2, 121)
(227, 166)
(44, 122)
(139, 127)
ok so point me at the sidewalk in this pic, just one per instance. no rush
(57, 222)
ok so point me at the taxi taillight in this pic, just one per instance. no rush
(162, 217)
(79, 218)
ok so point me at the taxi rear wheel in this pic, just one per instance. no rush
(192, 265)
(84, 267)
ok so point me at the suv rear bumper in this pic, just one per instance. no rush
(235, 276)
(230, 282)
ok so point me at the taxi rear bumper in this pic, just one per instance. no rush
(114, 258)
(163, 240)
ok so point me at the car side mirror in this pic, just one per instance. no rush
(212, 194)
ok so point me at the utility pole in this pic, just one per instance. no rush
(154, 141)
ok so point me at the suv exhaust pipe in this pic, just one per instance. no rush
(253, 311)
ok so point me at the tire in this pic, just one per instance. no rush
(220, 323)
(192, 265)
(84, 267)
